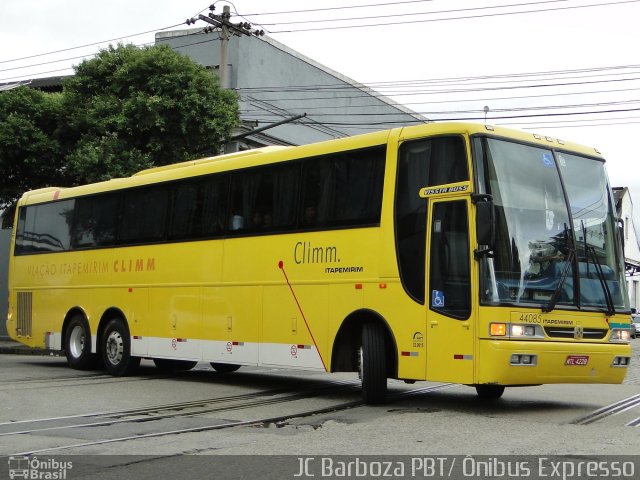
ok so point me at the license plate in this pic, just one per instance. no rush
(576, 360)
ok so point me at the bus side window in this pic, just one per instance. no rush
(144, 214)
(45, 227)
(198, 207)
(425, 162)
(344, 189)
(95, 221)
(264, 199)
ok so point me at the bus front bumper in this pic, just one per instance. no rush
(509, 362)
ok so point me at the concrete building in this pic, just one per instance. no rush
(624, 210)
(275, 83)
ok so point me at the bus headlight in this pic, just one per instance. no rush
(523, 330)
(515, 330)
(621, 335)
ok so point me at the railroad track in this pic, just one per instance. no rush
(194, 409)
(610, 410)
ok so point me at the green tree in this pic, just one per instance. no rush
(131, 108)
(30, 154)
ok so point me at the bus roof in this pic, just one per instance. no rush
(274, 154)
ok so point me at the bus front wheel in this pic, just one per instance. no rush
(373, 364)
(116, 349)
(77, 344)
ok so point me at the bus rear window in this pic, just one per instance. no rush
(44, 228)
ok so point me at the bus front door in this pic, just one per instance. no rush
(450, 346)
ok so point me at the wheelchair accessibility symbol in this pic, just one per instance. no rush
(437, 298)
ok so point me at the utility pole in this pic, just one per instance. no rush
(227, 30)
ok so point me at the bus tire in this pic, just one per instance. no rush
(373, 364)
(77, 344)
(224, 367)
(116, 349)
(489, 392)
(170, 364)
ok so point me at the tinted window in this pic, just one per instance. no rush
(449, 278)
(422, 163)
(198, 208)
(95, 221)
(144, 213)
(343, 189)
(265, 198)
(45, 228)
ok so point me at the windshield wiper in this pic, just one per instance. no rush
(556, 294)
(611, 309)
(565, 248)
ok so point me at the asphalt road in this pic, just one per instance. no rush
(102, 423)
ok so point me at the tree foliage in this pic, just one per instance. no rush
(30, 154)
(126, 109)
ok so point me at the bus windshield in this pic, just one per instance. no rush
(555, 230)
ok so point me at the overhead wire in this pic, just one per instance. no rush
(407, 85)
(376, 17)
(408, 22)
(332, 20)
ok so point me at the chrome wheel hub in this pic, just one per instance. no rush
(115, 348)
(77, 341)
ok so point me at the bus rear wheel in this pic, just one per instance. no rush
(77, 344)
(116, 349)
(373, 364)
(170, 364)
(489, 392)
(224, 367)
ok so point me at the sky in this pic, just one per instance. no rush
(569, 69)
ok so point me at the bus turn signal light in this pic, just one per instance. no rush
(498, 329)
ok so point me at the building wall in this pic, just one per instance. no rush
(631, 247)
(275, 82)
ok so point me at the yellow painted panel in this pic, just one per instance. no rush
(231, 313)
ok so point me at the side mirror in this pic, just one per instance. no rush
(486, 223)
(621, 232)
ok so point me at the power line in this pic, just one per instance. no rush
(408, 22)
(464, 79)
(343, 7)
(470, 118)
(430, 114)
(437, 12)
(407, 84)
(93, 55)
(484, 100)
(328, 9)
(450, 91)
(90, 44)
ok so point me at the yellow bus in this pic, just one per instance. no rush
(448, 252)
